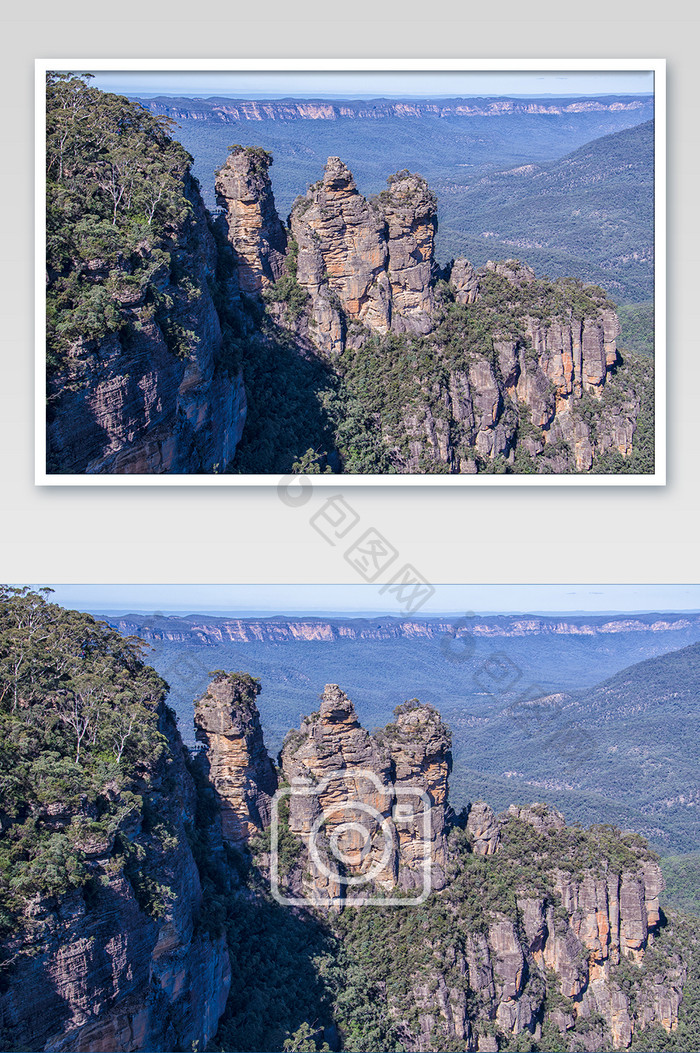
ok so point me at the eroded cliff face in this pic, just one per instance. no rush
(542, 390)
(578, 933)
(197, 631)
(234, 758)
(527, 378)
(369, 809)
(547, 368)
(122, 964)
(365, 263)
(152, 396)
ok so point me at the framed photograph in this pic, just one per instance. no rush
(446, 272)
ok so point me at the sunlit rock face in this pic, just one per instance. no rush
(375, 802)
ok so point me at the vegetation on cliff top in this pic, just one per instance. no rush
(79, 721)
(115, 200)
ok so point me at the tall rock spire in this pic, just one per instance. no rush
(228, 723)
(253, 227)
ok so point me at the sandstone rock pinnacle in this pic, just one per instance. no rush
(392, 783)
(253, 227)
(228, 723)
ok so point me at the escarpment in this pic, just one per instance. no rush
(102, 945)
(140, 379)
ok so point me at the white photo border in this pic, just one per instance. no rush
(655, 66)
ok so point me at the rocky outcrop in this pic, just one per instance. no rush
(250, 220)
(528, 395)
(151, 397)
(464, 281)
(410, 212)
(483, 828)
(553, 959)
(234, 758)
(367, 264)
(122, 963)
(369, 809)
(343, 253)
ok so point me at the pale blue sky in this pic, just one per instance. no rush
(374, 84)
(351, 599)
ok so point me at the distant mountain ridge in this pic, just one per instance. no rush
(231, 110)
(206, 629)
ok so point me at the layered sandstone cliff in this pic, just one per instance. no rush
(367, 263)
(370, 810)
(234, 759)
(152, 396)
(198, 631)
(122, 963)
(258, 110)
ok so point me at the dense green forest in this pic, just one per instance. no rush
(80, 727)
(637, 324)
(114, 206)
(588, 214)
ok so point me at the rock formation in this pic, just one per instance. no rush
(569, 942)
(121, 963)
(151, 397)
(365, 262)
(252, 226)
(361, 834)
(367, 267)
(528, 395)
(369, 809)
(410, 211)
(483, 829)
(234, 758)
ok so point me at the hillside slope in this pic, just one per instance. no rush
(626, 749)
(590, 214)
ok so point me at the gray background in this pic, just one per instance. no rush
(212, 534)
